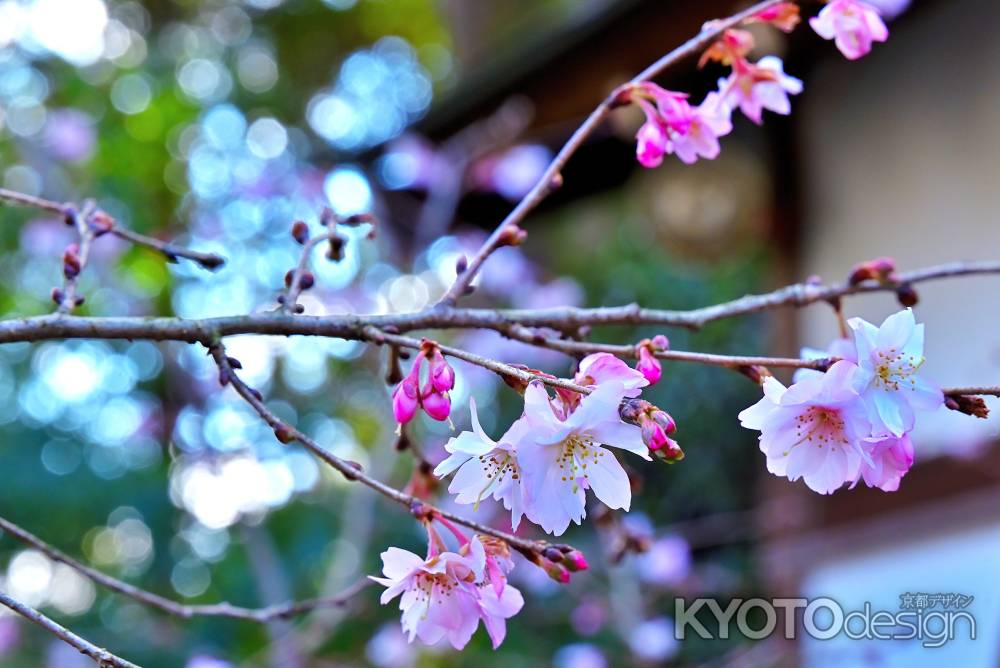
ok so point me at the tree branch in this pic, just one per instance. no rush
(352, 471)
(259, 615)
(103, 657)
(171, 251)
(206, 330)
(551, 179)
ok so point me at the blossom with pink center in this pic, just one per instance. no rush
(891, 388)
(485, 467)
(440, 598)
(708, 121)
(561, 458)
(674, 126)
(602, 368)
(852, 25)
(890, 459)
(592, 371)
(813, 429)
(756, 87)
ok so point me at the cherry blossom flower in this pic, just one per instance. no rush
(674, 126)
(593, 370)
(784, 16)
(813, 429)
(439, 594)
(852, 25)
(599, 368)
(890, 459)
(560, 459)
(486, 467)
(889, 358)
(756, 87)
(840, 348)
(707, 122)
(498, 601)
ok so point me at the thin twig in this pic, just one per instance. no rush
(352, 471)
(551, 179)
(103, 657)
(171, 251)
(67, 297)
(171, 607)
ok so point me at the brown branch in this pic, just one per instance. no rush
(551, 179)
(41, 328)
(171, 251)
(103, 657)
(352, 471)
(67, 299)
(570, 347)
(259, 615)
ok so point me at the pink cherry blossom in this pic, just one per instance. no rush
(840, 348)
(852, 24)
(890, 358)
(602, 368)
(813, 429)
(674, 126)
(756, 87)
(560, 459)
(439, 594)
(890, 459)
(706, 123)
(486, 467)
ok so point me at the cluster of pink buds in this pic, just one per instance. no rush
(432, 394)
(648, 365)
(656, 426)
(560, 561)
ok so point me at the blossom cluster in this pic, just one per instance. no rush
(853, 421)
(542, 466)
(674, 126)
(446, 595)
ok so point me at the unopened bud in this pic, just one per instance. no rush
(335, 253)
(461, 264)
(968, 404)
(234, 363)
(300, 231)
(71, 261)
(284, 434)
(512, 235)
(880, 269)
(556, 571)
(306, 280)
(575, 561)
(57, 295)
(101, 223)
(907, 295)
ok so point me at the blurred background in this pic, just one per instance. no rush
(218, 123)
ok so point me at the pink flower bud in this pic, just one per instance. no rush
(652, 142)
(575, 561)
(663, 419)
(557, 572)
(670, 452)
(648, 365)
(653, 435)
(660, 343)
(437, 405)
(405, 398)
(442, 376)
